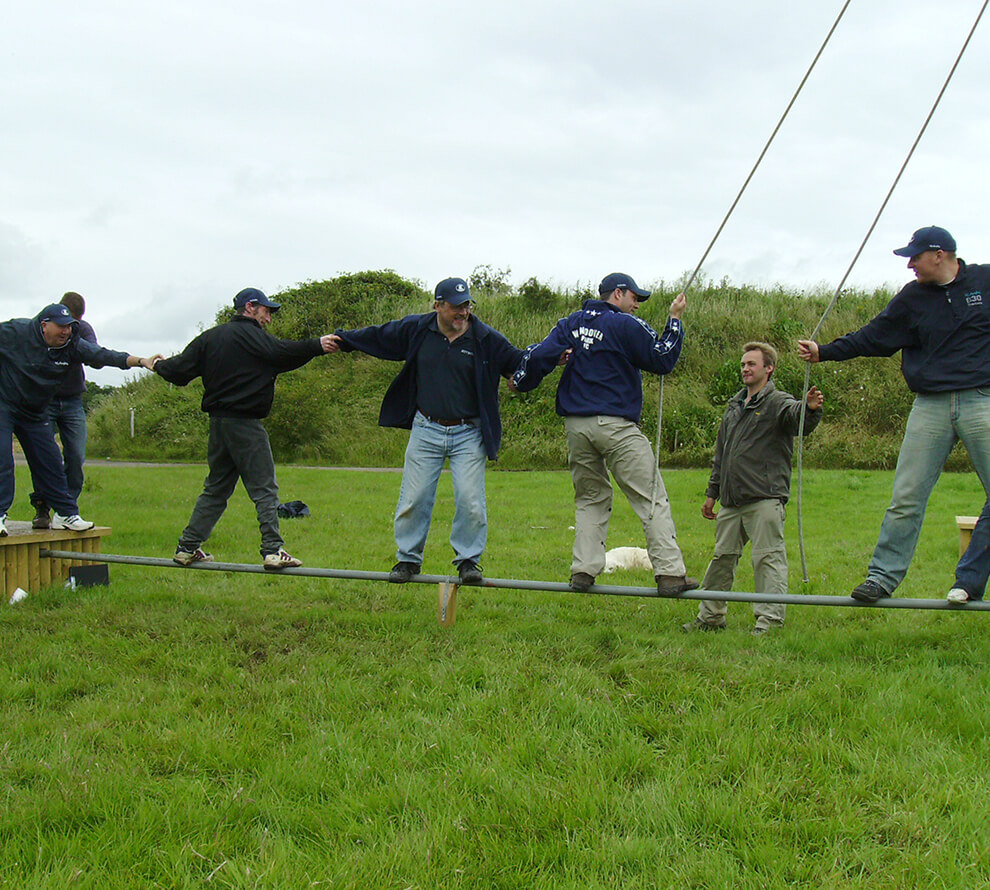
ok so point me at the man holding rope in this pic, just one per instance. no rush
(941, 325)
(600, 397)
(751, 476)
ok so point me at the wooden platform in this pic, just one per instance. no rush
(965, 524)
(21, 566)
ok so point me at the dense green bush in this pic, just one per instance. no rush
(327, 412)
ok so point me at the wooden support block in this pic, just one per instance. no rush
(447, 606)
(965, 524)
(21, 563)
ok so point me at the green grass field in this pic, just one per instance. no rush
(183, 729)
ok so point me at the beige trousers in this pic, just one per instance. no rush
(599, 445)
(761, 522)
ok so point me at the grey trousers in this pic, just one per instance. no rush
(761, 522)
(596, 446)
(238, 449)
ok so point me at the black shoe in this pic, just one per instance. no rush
(581, 582)
(469, 573)
(402, 572)
(869, 592)
(42, 518)
(674, 585)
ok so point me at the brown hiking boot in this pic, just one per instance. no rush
(674, 585)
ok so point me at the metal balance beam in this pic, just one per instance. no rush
(789, 599)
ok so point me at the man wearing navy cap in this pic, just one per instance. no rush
(447, 396)
(600, 397)
(68, 416)
(238, 362)
(36, 354)
(941, 324)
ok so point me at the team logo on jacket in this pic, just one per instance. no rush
(973, 298)
(587, 336)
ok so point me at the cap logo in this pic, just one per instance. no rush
(460, 288)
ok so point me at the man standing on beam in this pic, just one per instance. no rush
(600, 397)
(941, 325)
(446, 395)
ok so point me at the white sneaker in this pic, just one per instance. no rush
(957, 595)
(3, 526)
(281, 560)
(188, 557)
(73, 523)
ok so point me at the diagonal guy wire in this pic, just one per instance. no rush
(838, 290)
(725, 219)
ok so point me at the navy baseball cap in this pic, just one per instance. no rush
(618, 279)
(928, 238)
(453, 290)
(57, 313)
(253, 295)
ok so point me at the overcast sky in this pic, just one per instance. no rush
(158, 157)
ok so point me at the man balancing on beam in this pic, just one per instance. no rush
(36, 354)
(446, 395)
(600, 397)
(941, 325)
(238, 362)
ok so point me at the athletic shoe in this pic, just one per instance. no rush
(74, 523)
(957, 595)
(42, 518)
(403, 571)
(281, 560)
(581, 582)
(869, 592)
(468, 572)
(188, 557)
(674, 585)
(3, 526)
(698, 624)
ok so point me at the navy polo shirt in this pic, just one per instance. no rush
(445, 376)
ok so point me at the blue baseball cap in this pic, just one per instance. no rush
(618, 279)
(453, 290)
(253, 295)
(58, 314)
(928, 238)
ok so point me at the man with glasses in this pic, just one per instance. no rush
(600, 397)
(941, 324)
(447, 396)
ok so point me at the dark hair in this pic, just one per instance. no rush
(74, 303)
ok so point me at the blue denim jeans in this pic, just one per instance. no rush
(38, 443)
(937, 421)
(974, 565)
(68, 416)
(430, 444)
